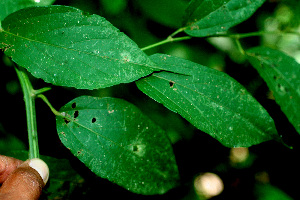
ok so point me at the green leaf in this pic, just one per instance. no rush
(116, 141)
(210, 100)
(9, 6)
(209, 17)
(282, 75)
(67, 47)
(269, 192)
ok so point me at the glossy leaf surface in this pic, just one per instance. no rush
(67, 47)
(209, 17)
(116, 141)
(210, 100)
(282, 75)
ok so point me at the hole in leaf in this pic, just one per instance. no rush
(94, 120)
(135, 148)
(76, 113)
(171, 83)
(74, 105)
(66, 121)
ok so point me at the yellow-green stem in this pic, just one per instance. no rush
(29, 98)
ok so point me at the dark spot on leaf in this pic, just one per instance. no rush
(76, 113)
(171, 83)
(74, 105)
(62, 32)
(94, 120)
(135, 148)
(66, 121)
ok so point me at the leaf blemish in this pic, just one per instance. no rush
(138, 149)
(66, 121)
(74, 105)
(94, 120)
(135, 148)
(76, 114)
(171, 83)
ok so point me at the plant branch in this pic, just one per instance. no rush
(44, 98)
(169, 39)
(177, 31)
(254, 34)
(239, 45)
(29, 98)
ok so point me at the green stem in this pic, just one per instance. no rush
(254, 34)
(239, 45)
(235, 36)
(29, 98)
(178, 31)
(55, 112)
(169, 39)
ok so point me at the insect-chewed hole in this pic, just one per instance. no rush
(171, 83)
(135, 148)
(94, 120)
(66, 121)
(76, 113)
(79, 152)
(74, 105)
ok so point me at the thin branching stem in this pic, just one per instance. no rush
(54, 111)
(171, 38)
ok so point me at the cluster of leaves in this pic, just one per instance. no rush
(65, 46)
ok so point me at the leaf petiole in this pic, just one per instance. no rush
(169, 39)
(54, 111)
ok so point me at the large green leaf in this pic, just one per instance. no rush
(208, 17)
(116, 141)
(282, 75)
(9, 6)
(67, 47)
(210, 100)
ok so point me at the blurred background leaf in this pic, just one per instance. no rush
(9, 6)
(269, 192)
(281, 74)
